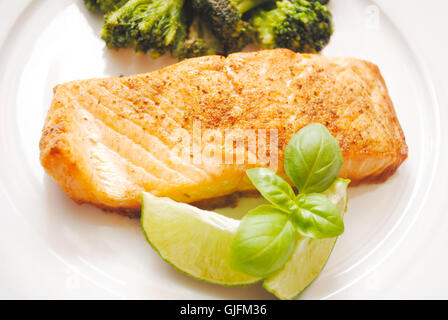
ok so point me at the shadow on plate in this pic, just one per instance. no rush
(124, 62)
(76, 231)
(85, 233)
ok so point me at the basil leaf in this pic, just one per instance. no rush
(273, 188)
(317, 217)
(313, 159)
(263, 241)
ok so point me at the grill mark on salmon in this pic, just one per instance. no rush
(101, 136)
(158, 167)
(139, 137)
(107, 140)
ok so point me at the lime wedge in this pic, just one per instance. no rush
(195, 241)
(309, 256)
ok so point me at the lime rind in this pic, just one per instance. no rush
(194, 241)
(309, 256)
(198, 242)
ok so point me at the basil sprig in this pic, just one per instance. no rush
(317, 217)
(266, 235)
(313, 159)
(273, 188)
(265, 232)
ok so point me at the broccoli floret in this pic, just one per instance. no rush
(104, 6)
(199, 42)
(156, 25)
(299, 25)
(225, 20)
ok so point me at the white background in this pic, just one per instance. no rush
(416, 268)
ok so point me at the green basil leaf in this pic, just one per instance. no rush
(317, 217)
(313, 159)
(263, 241)
(273, 188)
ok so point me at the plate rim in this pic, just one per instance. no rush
(422, 66)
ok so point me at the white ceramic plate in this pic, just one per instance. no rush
(53, 248)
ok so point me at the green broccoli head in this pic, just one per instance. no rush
(104, 6)
(225, 20)
(147, 25)
(299, 25)
(200, 41)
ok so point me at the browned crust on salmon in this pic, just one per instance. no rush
(107, 140)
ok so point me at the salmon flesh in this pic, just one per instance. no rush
(165, 132)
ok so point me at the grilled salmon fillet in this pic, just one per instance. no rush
(107, 140)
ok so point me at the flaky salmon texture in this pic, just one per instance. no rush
(107, 140)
